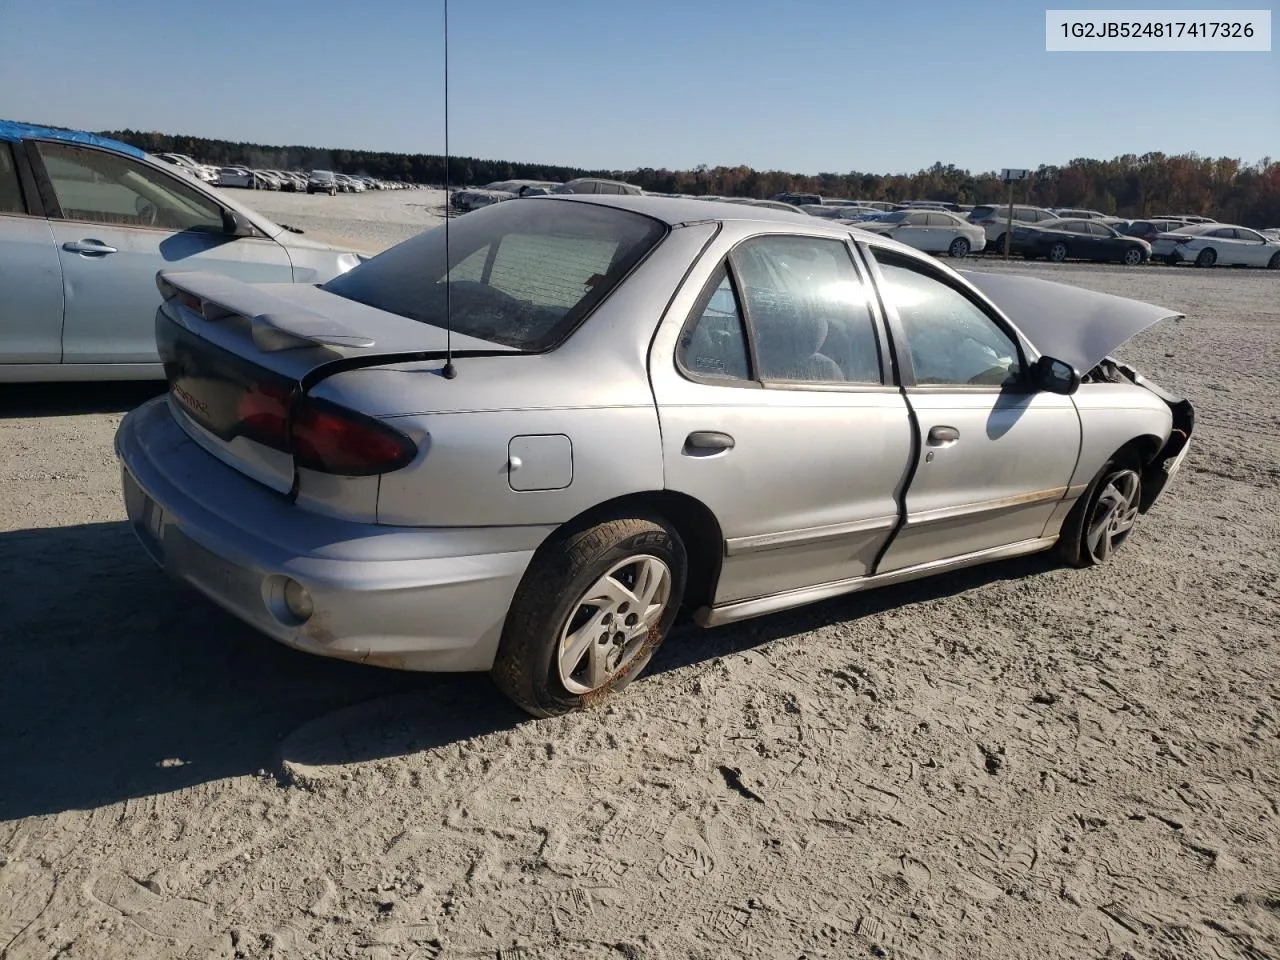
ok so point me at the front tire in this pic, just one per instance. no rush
(1057, 253)
(959, 248)
(1274, 262)
(1102, 520)
(591, 609)
(1207, 258)
(1132, 257)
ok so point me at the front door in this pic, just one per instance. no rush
(993, 458)
(121, 222)
(777, 415)
(1254, 251)
(30, 277)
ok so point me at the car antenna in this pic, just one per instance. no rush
(449, 371)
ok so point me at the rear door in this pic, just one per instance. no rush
(30, 275)
(1225, 245)
(117, 222)
(778, 413)
(993, 459)
(1079, 239)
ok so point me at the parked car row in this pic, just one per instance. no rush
(299, 182)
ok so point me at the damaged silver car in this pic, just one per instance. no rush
(528, 449)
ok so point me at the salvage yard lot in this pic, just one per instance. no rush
(1015, 761)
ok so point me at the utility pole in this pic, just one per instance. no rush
(1010, 177)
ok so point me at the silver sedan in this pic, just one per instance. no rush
(85, 223)
(527, 445)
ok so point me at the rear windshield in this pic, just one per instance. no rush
(522, 274)
(978, 213)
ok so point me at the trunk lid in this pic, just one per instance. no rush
(234, 355)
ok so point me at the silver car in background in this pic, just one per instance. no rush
(85, 223)
(528, 451)
(1217, 245)
(933, 231)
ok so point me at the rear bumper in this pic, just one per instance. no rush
(403, 597)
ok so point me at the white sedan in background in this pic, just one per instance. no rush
(1217, 244)
(933, 231)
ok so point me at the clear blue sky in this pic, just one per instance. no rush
(800, 85)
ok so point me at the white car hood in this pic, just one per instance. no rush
(1078, 326)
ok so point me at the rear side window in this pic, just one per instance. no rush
(520, 274)
(10, 190)
(808, 311)
(715, 346)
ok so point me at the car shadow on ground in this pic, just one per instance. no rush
(117, 682)
(22, 400)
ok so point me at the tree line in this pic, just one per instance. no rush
(1131, 185)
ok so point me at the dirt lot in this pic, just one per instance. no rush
(1017, 761)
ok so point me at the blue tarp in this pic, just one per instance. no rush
(13, 131)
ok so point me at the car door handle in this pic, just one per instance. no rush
(89, 247)
(943, 436)
(707, 441)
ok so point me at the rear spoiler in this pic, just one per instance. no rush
(275, 324)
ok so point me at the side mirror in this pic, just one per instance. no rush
(234, 225)
(1055, 376)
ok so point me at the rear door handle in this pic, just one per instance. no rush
(707, 441)
(89, 247)
(943, 436)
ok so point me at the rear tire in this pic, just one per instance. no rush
(591, 609)
(959, 248)
(998, 246)
(1103, 518)
(1057, 252)
(1207, 258)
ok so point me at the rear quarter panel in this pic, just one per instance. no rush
(594, 389)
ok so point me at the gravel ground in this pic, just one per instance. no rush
(367, 222)
(1015, 761)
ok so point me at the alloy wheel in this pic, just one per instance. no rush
(611, 623)
(1113, 515)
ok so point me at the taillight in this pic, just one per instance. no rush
(191, 302)
(322, 436)
(263, 414)
(332, 439)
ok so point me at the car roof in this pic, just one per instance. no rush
(674, 211)
(14, 131)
